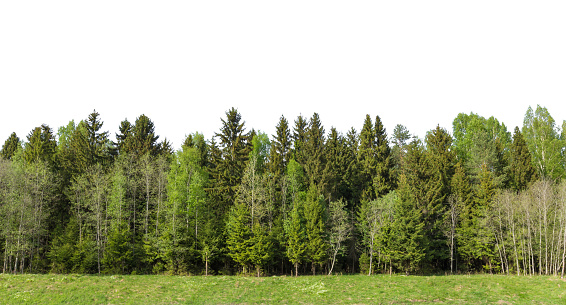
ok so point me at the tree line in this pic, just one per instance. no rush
(304, 200)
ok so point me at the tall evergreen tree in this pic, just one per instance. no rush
(99, 145)
(375, 159)
(315, 225)
(437, 187)
(295, 230)
(522, 171)
(300, 139)
(10, 146)
(234, 155)
(280, 149)
(335, 151)
(315, 160)
(41, 145)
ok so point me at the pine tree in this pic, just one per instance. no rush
(10, 146)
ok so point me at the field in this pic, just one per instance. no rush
(345, 289)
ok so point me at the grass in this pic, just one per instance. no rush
(345, 289)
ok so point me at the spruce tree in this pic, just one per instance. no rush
(315, 160)
(315, 224)
(300, 140)
(335, 152)
(10, 146)
(408, 237)
(280, 149)
(522, 171)
(440, 161)
(234, 155)
(98, 142)
(374, 157)
(295, 230)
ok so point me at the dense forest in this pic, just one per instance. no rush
(302, 201)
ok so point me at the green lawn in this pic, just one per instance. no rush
(345, 289)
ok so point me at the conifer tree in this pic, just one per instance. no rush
(522, 170)
(315, 225)
(408, 237)
(41, 145)
(375, 160)
(315, 160)
(280, 149)
(239, 235)
(300, 140)
(440, 160)
(335, 168)
(98, 142)
(234, 155)
(295, 230)
(122, 138)
(10, 146)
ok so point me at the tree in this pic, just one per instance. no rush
(478, 140)
(436, 188)
(336, 164)
(339, 227)
(300, 140)
(375, 159)
(239, 235)
(399, 139)
(522, 171)
(295, 230)
(408, 244)
(234, 155)
(315, 225)
(41, 145)
(10, 146)
(99, 145)
(280, 149)
(315, 160)
(542, 137)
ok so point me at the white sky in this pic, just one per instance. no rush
(184, 63)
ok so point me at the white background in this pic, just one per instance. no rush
(184, 63)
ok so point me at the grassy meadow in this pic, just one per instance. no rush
(344, 289)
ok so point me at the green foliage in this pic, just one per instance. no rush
(300, 140)
(234, 153)
(542, 137)
(295, 230)
(239, 235)
(41, 145)
(522, 171)
(280, 152)
(315, 225)
(10, 146)
(374, 157)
